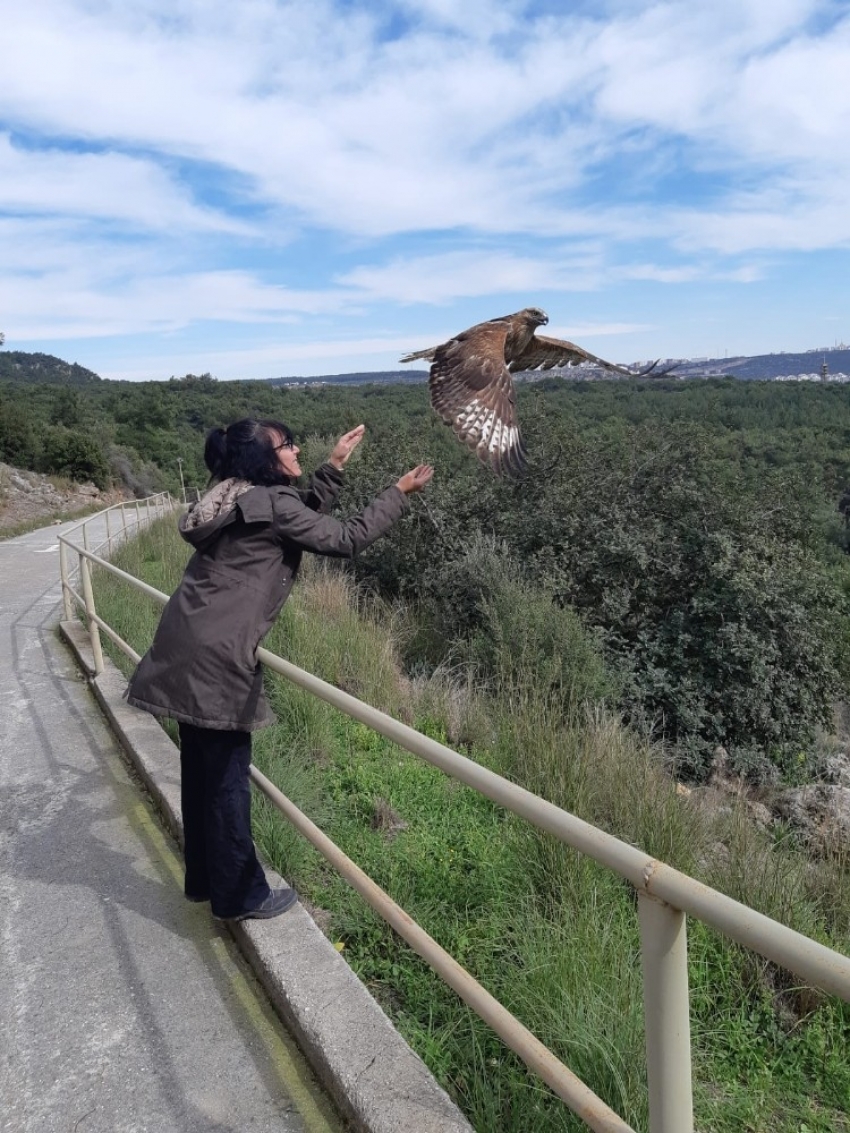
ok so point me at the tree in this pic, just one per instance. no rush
(705, 582)
(18, 445)
(66, 408)
(76, 455)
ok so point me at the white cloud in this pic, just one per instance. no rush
(323, 116)
(634, 142)
(429, 130)
(479, 18)
(595, 330)
(682, 67)
(107, 186)
(798, 215)
(454, 275)
(74, 303)
(282, 358)
(797, 102)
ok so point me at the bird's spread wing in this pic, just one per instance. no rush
(544, 353)
(426, 355)
(472, 390)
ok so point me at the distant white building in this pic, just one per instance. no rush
(839, 378)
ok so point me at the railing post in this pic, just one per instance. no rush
(108, 532)
(664, 957)
(67, 607)
(94, 632)
(85, 535)
(124, 517)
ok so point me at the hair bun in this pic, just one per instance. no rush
(215, 450)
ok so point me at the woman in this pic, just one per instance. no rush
(249, 533)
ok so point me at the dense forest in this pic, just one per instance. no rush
(678, 549)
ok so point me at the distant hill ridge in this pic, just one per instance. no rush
(838, 362)
(25, 368)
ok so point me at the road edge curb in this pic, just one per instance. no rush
(378, 1082)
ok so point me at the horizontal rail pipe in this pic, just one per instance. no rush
(88, 556)
(815, 962)
(161, 500)
(125, 648)
(819, 965)
(579, 1097)
(151, 591)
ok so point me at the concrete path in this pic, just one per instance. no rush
(122, 1006)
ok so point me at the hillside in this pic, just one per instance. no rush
(24, 368)
(773, 365)
(764, 367)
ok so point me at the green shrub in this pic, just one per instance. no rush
(709, 590)
(512, 632)
(18, 445)
(75, 455)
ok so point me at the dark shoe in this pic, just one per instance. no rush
(197, 898)
(277, 902)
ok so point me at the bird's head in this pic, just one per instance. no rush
(536, 316)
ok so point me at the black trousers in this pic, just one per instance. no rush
(221, 862)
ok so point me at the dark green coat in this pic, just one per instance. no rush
(202, 667)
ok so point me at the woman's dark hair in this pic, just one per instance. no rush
(246, 451)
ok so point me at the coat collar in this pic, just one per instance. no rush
(224, 503)
(256, 505)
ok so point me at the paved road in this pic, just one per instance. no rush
(122, 1006)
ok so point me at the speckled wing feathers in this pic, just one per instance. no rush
(544, 353)
(472, 390)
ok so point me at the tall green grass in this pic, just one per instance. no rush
(550, 933)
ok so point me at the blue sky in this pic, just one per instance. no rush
(261, 188)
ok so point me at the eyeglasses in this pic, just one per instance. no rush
(286, 444)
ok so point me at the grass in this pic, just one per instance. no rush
(549, 933)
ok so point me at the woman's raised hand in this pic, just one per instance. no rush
(416, 479)
(345, 446)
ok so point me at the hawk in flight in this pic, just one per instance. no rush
(472, 389)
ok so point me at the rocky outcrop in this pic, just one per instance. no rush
(837, 768)
(725, 792)
(819, 814)
(28, 497)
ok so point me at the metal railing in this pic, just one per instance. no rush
(665, 898)
(121, 521)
